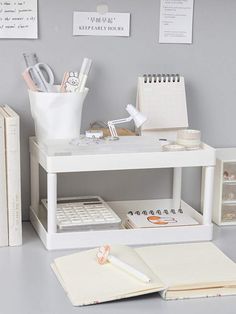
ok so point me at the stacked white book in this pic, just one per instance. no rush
(10, 186)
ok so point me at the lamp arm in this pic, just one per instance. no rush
(120, 120)
(111, 125)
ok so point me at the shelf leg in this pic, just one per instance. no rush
(177, 183)
(208, 194)
(52, 201)
(34, 183)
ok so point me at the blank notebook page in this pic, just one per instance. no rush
(87, 282)
(189, 265)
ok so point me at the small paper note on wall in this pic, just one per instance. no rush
(176, 21)
(96, 24)
(18, 19)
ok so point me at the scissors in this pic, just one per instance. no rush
(42, 76)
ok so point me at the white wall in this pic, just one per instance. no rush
(208, 65)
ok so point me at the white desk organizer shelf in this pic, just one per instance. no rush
(224, 212)
(127, 153)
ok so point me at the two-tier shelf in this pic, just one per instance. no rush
(127, 153)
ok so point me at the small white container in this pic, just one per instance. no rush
(191, 139)
(56, 115)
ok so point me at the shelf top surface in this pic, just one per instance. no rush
(129, 152)
(85, 146)
(125, 145)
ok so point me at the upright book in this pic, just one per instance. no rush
(3, 187)
(177, 271)
(12, 132)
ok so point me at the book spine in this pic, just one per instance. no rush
(3, 188)
(13, 180)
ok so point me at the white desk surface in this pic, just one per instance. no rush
(28, 285)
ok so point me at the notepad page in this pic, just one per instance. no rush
(190, 266)
(163, 103)
(87, 282)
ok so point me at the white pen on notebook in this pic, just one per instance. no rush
(104, 256)
(83, 74)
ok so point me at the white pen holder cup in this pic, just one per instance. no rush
(56, 115)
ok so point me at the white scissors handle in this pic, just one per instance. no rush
(38, 73)
(47, 69)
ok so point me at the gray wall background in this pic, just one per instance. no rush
(208, 65)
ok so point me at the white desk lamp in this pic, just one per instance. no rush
(135, 115)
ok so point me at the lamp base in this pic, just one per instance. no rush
(112, 138)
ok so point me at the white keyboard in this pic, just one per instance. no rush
(84, 213)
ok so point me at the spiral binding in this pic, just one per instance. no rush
(160, 78)
(157, 211)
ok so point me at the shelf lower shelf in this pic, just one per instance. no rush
(227, 223)
(229, 182)
(86, 239)
(230, 202)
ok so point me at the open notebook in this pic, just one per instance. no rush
(176, 271)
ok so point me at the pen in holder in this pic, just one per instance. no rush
(56, 115)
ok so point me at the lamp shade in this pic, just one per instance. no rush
(137, 116)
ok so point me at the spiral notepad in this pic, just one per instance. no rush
(158, 218)
(161, 98)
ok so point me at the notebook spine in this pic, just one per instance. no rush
(156, 212)
(13, 175)
(3, 187)
(161, 78)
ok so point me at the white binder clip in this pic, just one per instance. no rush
(102, 8)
